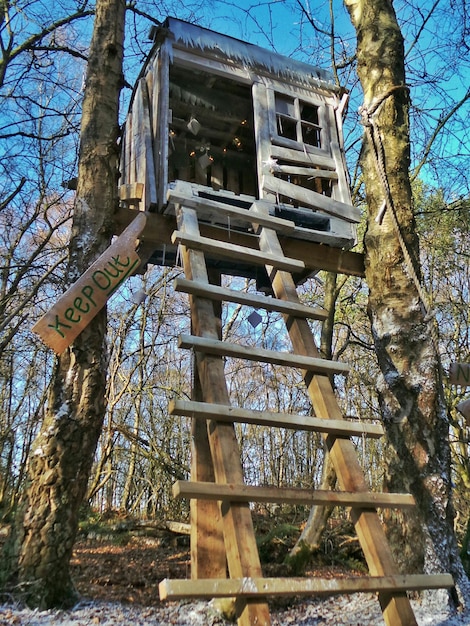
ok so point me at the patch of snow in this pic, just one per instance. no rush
(63, 410)
(247, 54)
(354, 610)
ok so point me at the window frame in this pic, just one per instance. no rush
(298, 97)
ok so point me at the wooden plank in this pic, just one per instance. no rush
(306, 158)
(146, 162)
(314, 256)
(249, 299)
(276, 587)
(131, 193)
(207, 540)
(223, 348)
(396, 607)
(129, 173)
(263, 116)
(239, 535)
(135, 157)
(217, 211)
(318, 256)
(263, 119)
(306, 171)
(75, 309)
(123, 156)
(338, 428)
(312, 199)
(342, 191)
(291, 495)
(324, 122)
(233, 251)
(161, 121)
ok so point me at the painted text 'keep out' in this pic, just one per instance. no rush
(102, 282)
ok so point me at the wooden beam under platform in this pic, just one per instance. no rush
(160, 228)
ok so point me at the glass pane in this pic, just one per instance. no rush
(309, 112)
(285, 105)
(311, 135)
(287, 127)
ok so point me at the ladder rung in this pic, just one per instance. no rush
(223, 348)
(291, 495)
(236, 252)
(224, 413)
(262, 587)
(214, 292)
(215, 210)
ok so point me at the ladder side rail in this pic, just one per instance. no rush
(208, 558)
(240, 542)
(396, 608)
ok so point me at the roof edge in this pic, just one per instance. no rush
(251, 56)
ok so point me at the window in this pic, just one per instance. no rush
(297, 120)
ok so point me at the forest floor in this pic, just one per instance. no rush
(117, 577)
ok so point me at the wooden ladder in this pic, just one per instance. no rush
(222, 533)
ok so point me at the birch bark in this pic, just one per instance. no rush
(410, 387)
(62, 455)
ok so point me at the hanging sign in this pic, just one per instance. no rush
(459, 374)
(464, 409)
(88, 295)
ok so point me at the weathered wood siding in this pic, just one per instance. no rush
(204, 117)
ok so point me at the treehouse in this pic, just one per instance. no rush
(244, 148)
(220, 124)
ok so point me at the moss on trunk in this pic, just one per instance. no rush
(62, 454)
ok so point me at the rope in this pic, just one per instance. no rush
(376, 144)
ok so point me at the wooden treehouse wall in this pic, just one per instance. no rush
(265, 127)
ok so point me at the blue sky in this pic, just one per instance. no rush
(435, 45)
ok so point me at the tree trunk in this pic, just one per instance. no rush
(317, 521)
(128, 491)
(311, 535)
(62, 455)
(410, 388)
